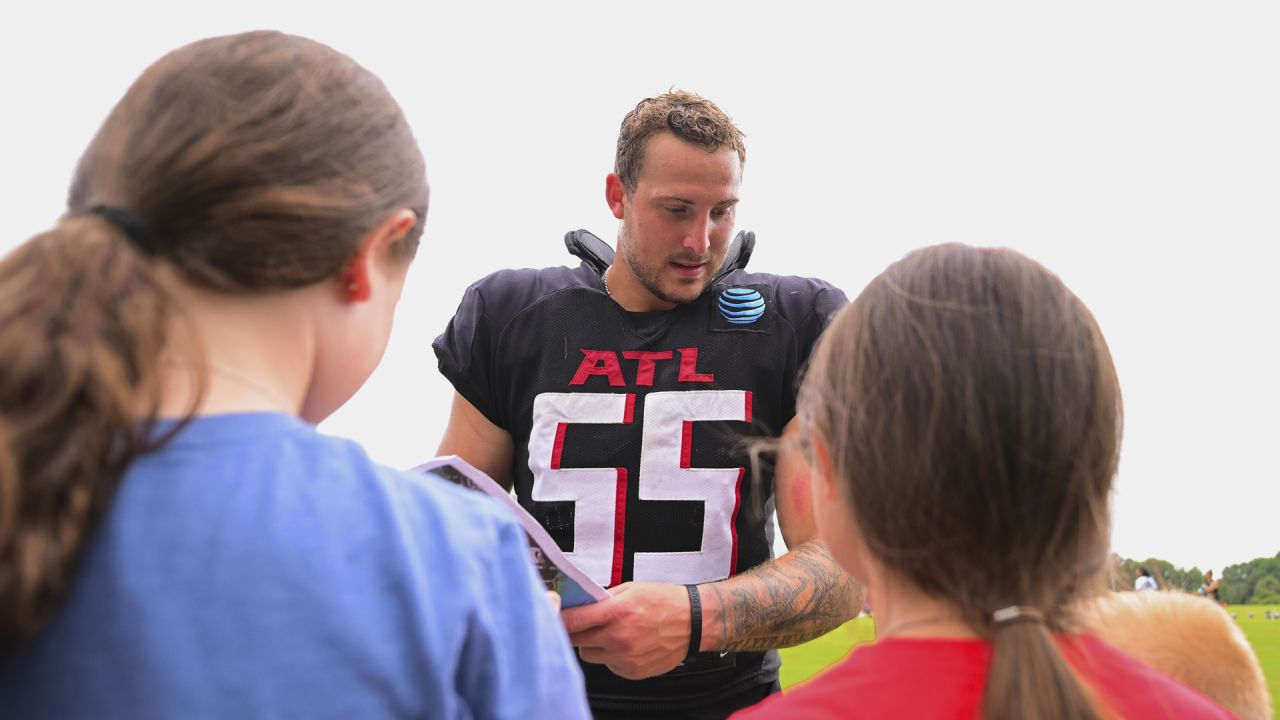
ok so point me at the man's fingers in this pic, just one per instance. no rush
(594, 637)
(621, 669)
(595, 656)
(585, 617)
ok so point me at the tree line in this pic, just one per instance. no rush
(1256, 582)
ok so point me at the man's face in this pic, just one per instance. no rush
(676, 224)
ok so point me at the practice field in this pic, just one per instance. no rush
(804, 661)
(1264, 636)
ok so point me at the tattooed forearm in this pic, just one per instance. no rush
(787, 601)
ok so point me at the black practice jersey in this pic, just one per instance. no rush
(632, 431)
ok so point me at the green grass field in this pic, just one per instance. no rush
(1264, 636)
(804, 661)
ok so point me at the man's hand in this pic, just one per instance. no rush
(642, 631)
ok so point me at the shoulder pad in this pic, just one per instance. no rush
(738, 254)
(597, 253)
(594, 251)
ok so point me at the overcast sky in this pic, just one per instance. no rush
(1132, 147)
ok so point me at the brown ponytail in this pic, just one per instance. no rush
(1029, 678)
(247, 163)
(82, 323)
(971, 410)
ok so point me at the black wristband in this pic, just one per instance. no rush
(695, 620)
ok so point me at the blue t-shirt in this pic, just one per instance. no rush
(256, 568)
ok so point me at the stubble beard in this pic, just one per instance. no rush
(651, 278)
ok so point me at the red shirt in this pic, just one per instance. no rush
(943, 678)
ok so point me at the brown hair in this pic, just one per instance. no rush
(247, 164)
(690, 117)
(973, 416)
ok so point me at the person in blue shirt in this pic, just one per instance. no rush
(176, 538)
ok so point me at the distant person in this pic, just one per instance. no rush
(1210, 587)
(176, 538)
(1187, 639)
(1144, 580)
(963, 418)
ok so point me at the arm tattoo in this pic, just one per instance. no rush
(784, 602)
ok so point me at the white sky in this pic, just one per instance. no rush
(1133, 147)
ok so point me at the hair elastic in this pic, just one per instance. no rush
(125, 222)
(1016, 614)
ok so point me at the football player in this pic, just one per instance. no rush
(619, 398)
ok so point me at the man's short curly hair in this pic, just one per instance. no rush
(690, 117)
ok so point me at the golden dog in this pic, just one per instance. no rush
(1187, 637)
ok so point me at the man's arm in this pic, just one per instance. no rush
(790, 600)
(798, 596)
(471, 436)
(644, 629)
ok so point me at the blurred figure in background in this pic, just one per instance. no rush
(1210, 587)
(1144, 581)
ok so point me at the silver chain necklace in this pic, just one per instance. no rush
(900, 626)
(277, 400)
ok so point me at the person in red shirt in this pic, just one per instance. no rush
(962, 419)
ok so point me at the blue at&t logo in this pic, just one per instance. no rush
(741, 306)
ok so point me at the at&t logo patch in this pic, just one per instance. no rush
(741, 305)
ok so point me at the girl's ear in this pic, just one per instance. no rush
(357, 277)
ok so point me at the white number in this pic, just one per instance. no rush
(665, 475)
(600, 493)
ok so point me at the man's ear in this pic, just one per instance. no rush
(616, 195)
(358, 276)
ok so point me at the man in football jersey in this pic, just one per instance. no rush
(618, 398)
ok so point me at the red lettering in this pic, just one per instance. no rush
(605, 363)
(689, 367)
(599, 362)
(644, 372)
